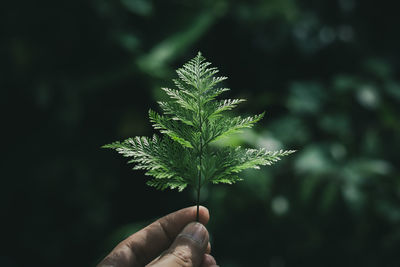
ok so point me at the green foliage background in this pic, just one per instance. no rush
(79, 74)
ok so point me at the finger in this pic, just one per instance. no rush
(208, 250)
(143, 246)
(208, 261)
(188, 248)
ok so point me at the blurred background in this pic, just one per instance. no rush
(80, 74)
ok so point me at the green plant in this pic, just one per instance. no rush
(192, 120)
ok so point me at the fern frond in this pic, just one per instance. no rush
(190, 120)
(231, 180)
(162, 185)
(153, 155)
(198, 75)
(224, 126)
(177, 132)
(184, 98)
(238, 159)
(216, 80)
(254, 158)
(212, 93)
(176, 113)
(223, 105)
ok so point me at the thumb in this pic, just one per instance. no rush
(188, 248)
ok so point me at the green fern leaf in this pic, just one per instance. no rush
(191, 120)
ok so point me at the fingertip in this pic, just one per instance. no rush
(208, 250)
(196, 232)
(205, 210)
(188, 247)
(204, 214)
(208, 261)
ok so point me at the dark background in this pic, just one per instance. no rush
(79, 74)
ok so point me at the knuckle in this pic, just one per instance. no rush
(183, 256)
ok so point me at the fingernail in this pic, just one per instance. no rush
(196, 232)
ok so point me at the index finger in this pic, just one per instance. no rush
(140, 248)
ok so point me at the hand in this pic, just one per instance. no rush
(172, 241)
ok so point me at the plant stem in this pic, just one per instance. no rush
(198, 201)
(200, 156)
(199, 174)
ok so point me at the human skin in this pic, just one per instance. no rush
(175, 240)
